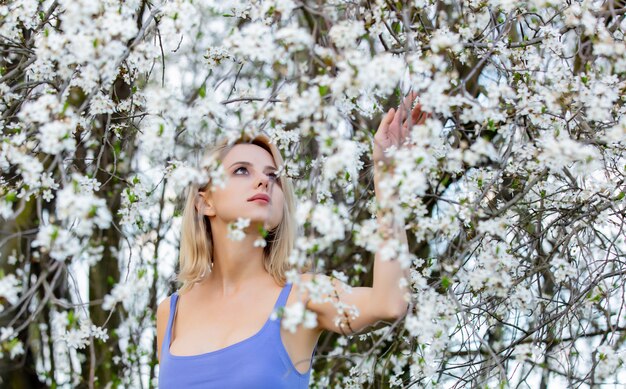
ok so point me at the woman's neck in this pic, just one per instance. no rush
(235, 263)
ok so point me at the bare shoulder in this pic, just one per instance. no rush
(313, 277)
(317, 278)
(163, 311)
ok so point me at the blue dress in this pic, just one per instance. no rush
(259, 361)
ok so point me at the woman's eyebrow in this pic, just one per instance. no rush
(268, 167)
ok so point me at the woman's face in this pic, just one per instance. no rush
(250, 171)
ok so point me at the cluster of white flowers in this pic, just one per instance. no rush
(58, 242)
(345, 33)
(515, 179)
(157, 139)
(78, 206)
(215, 55)
(10, 343)
(133, 209)
(217, 174)
(496, 227)
(345, 160)
(294, 315)
(122, 292)
(181, 175)
(563, 269)
(558, 152)
(444, 39)
(493, 270)
(10, 288)
(77, 338)
(329, 223)
(609, 360)
(236, 230)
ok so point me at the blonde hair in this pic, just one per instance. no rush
(196, 244)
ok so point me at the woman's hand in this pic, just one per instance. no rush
(395, 126)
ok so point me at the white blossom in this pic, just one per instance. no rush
(59, 243)
(345, 33)
(236, 229)
(10, 288)
(295, 314)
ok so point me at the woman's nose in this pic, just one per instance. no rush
(263, 179)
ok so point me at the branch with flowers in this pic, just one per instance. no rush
(503, 210)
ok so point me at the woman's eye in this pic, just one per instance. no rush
(274, 177)
(240, 168)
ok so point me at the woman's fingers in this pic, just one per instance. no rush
(408, 114)
(399, 127)
(383, 128)
(388, 119)
(396, 124)
(417, 115)
(405, 105)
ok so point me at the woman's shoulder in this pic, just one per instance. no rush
(163, 308)
(313, 277)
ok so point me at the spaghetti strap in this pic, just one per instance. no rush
(168, 330)
(173, 302)
(282, 298)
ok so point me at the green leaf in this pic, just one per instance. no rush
(324, 90)
(117, 148)
(55, 234)
(445, 282)
(11, 197)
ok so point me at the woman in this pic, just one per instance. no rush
(216, 331)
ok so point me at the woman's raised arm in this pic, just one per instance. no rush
(386, 299)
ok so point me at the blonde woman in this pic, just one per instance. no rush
(216, 331)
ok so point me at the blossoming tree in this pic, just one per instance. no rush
(511, 193)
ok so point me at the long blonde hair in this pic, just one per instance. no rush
(196, 244)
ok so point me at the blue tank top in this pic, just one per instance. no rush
(259, 361)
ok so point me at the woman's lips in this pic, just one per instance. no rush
(260, 197)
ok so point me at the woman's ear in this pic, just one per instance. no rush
(204, 204)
